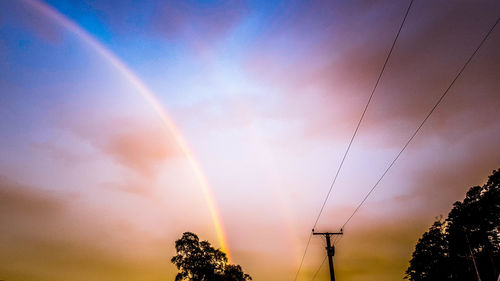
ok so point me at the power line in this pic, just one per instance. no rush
(363, 114)
(336, 239)
(303, 256)
(319, 268)
(354, 135)
(423, 121)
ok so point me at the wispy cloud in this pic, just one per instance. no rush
(141, 146)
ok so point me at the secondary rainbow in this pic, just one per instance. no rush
(151, 99)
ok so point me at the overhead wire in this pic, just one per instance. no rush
(423, 121)
(354, 135)
(319, 268)
(363, 114)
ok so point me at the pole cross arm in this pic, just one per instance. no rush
(327, 233)
(330, 249)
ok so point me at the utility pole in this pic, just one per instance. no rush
(472, 254)
(330, 249)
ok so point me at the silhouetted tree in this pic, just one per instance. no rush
(430, 258)
(473, 226)
(470, 233)
(199, 261)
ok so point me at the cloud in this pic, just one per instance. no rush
(195, 24)
(437, 182)
(59, 152)
(141, 149)
(328, 87)
(16, 199)
(138, 144)
(208, 21)
(143, 189)
(377, 250)
(37, 23)
(370, 249)
(49, 236)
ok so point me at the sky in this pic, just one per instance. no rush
(124, 124)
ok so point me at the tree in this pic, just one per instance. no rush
(467, 244)
(199, 261)
(473, 232)
(430, 258)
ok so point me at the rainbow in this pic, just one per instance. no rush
(148, 95)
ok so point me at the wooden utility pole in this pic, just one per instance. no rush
(330, 249)
(472, 255)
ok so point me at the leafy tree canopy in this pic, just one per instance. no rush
(199, 261)
(466, 244)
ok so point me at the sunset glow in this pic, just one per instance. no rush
(126, 123)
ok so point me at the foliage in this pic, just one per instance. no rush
(430, 256)
(199, 261)
(471, 230)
